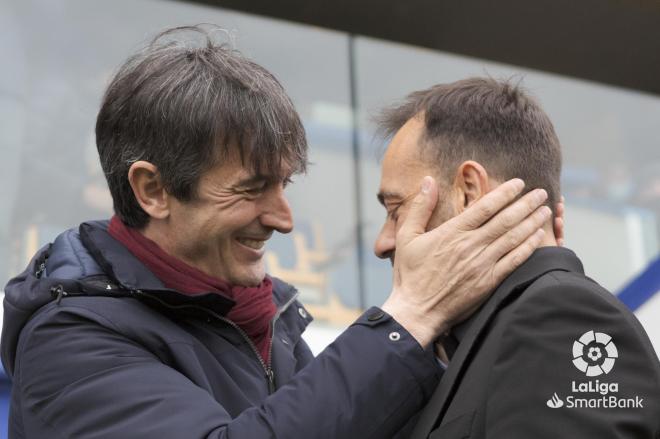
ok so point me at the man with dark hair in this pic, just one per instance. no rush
(162, 323)
(550, 353)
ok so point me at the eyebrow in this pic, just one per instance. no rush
(382, 195)
(252, 180)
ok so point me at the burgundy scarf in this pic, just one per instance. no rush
(254, 308)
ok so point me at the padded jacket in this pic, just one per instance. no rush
(97, 347)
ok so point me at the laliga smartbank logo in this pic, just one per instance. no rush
(594, 354)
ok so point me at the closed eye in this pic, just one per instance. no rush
(256, 189)
(259, 187)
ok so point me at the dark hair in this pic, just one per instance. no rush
(492, 122)
(181, 104)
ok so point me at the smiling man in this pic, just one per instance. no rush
(551, 353)
(162, 322)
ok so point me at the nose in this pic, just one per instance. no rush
(385, 241)
(276, 212)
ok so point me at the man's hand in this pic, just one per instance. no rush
(443, 275)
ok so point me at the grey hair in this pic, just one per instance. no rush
(493, 122)
(181, 104)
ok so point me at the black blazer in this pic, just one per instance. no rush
(545, 357)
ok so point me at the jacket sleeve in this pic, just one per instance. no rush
(536, 390)
(367, 384)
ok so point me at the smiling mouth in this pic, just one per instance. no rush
(256, 244)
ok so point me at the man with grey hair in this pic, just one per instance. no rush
(162, 323)
(551, 353)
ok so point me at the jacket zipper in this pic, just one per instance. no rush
(58, 292)
(268, 370)
(270, 375)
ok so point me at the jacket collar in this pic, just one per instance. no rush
(124, 269)
(542, 261)
(88, 262)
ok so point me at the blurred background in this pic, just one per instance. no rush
(594, 66)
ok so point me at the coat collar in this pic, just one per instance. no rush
(127, 273)
(542, 261)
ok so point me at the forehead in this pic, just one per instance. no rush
(403, 166)
(232, 167)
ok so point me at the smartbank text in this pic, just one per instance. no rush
(604, 401)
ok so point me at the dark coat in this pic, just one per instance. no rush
(520, 367)
(98, 348)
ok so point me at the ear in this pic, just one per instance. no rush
(471, 183)
(147, 185)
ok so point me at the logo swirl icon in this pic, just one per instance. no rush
(594, 353)
(555, 402)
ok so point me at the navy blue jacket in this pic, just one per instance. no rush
(97, 347)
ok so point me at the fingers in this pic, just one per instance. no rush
(560, 207)
(512, 215)
(420, 211)
(517, 256)
(558, 227)
(491, 203)
(558, 224)
(518, 235)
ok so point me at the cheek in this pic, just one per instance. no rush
(444, 212)
(227, 217)
(241, 215)
(185, 220)
(402, 216)
(399, 222)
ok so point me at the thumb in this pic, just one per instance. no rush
(420, 211)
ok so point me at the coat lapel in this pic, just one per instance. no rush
(543, 261)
